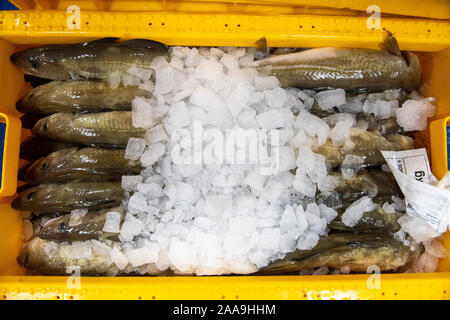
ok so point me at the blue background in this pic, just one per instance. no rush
(5, 5)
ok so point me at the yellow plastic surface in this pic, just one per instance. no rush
(437, 9)
(176, 28)
(10, 155)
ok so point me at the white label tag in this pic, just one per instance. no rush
(411, 170)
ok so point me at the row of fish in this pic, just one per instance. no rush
(78, 154)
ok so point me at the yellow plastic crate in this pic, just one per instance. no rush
(431, 38)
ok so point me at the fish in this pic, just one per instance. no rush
(90, 227)
(88, 60)
(46, 257)
(81, 164)
(45, 198)
(374, 221)
(105, 128)
(79, 96)
(356, 251)
(375, 184)
(35, 147)
(346, 68)
(367, 144)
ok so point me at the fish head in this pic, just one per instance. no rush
(414, 69)
(33, 197)
(55, 228)
(46, 166)
(51, 124)
(44, 62)
(39, 96)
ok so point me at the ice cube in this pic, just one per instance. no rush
(81, 250)
(114, 79)
(217, 205)
(328, 213)
(129, 80)
(142, 74)
(135, 147)
(269, 239)
(230, 62)
(165, 79)
(152, 154)
(177, 63)
(307, 241)
(414, 113)
(255, 180)
(185, 192)
(341, 132)
(147, 85)
(287, 159)
(159, 63)
(312, 125)
(303, 184)
(112, 222)
(276, 98)
(208, 70)
(355, 211)
(131, 227)
(192, 58)
(202, 97)
(151, 190)
(288, 219)
(154, 135)
(140, 256)
(129, 183)
(329, 99)
(273, 191)
(137, 203)
(119, 259)
(266, 83)
(275, 118)
(142, 113)
(76, 216)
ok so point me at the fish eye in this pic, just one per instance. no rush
(44, 165)
(62, 226)
(27, 259)
(34, 64)
(30, 195)
(45, 126)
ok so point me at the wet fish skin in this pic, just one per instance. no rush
(346, 68)
(81, 164)
(35, 147)
(105, 128)
(367, 145)
(357, 251)
(78, 96)
(92, 60)
(90, 227)
(66, 197)
(45, 257)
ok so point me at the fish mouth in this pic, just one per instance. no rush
(13, 58)
(20, 105)
(17, 203)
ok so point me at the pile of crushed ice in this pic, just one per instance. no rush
(194, 208)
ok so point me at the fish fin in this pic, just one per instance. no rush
(108, 40)
(372, 123)
(390, 44)
(261, 44)
(143, 43)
